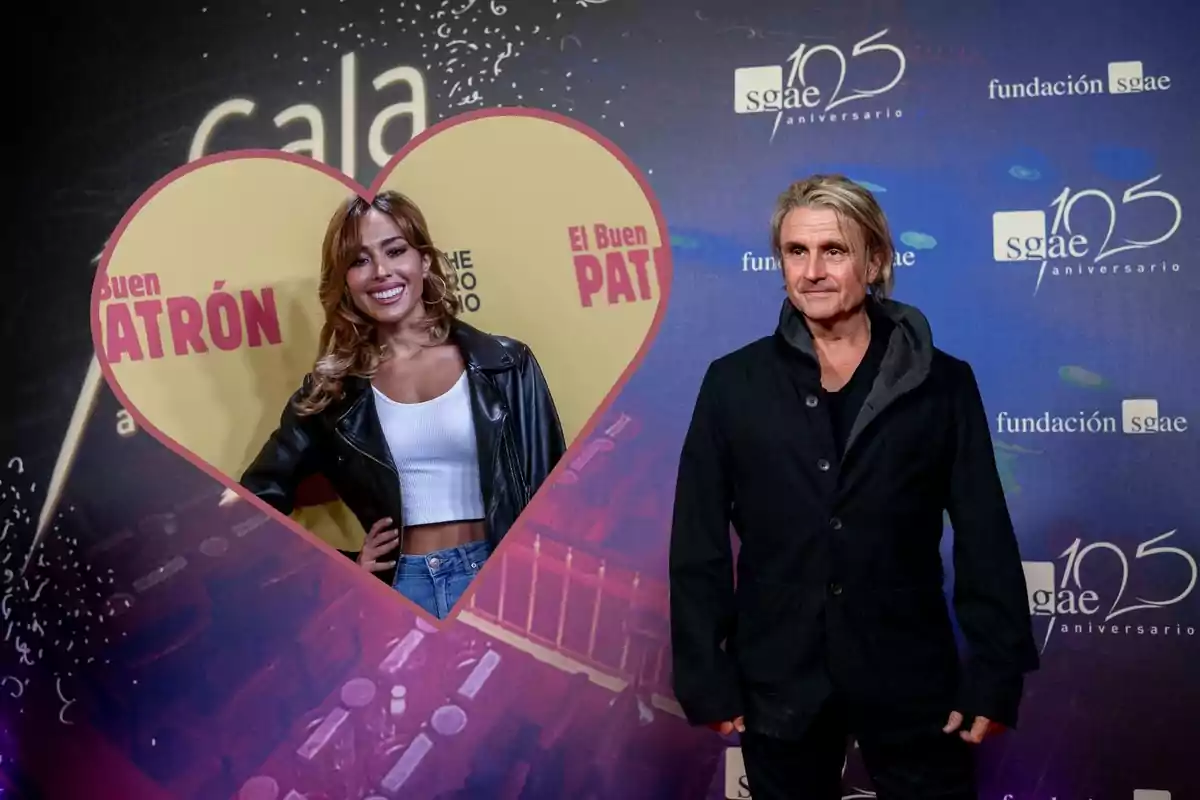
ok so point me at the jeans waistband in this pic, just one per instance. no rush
(451, 559)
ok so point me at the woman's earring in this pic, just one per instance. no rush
(443, 290)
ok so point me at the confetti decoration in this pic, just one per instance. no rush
(51, 608)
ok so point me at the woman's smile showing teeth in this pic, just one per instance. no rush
(387, 295)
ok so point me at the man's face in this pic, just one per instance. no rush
(825, 264)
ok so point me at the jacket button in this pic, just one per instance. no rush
(822, 465)
(835, 523)
(811, 401)
(835, 589)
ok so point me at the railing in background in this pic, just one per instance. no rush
(592, 613)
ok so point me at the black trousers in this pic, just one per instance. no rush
(926, 766)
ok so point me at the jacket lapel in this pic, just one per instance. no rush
(485, 357)
(359, 424)
(905, 365)
(797, 377)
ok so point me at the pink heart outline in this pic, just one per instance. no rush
(665, 272)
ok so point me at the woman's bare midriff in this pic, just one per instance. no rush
(422, 539)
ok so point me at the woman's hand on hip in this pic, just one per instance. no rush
(380, 540)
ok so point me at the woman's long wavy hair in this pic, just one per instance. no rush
(349, 343)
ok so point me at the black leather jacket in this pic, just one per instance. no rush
(517, 428)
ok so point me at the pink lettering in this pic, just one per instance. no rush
(639, 259)
(262, 320)
(149, 311)
(187, 323)
(617, 277)
(589, 276)
(224, 319)
(121, 334)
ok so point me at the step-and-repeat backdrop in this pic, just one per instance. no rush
(1037, 161)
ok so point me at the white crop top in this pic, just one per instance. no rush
(434, 449)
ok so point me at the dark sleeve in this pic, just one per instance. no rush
(288, 457)
(989, 584)
(701, 570)
(540, 433)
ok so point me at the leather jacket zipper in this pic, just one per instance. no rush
(495, 501)
(514, 467)
(389, 468)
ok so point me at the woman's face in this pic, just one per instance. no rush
(386, 278)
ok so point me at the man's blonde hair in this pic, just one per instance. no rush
(849, 201)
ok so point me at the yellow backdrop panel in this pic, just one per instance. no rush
(207, 312)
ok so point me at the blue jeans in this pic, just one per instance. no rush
(436, 581)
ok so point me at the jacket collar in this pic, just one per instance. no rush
(481, 352)
(906, 363)
(912, 335)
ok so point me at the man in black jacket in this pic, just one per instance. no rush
(833, 447)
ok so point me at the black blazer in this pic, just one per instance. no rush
(839, 574)
(519, 436)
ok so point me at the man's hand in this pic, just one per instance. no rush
(980, 730)
(380, 540)
(728, 727)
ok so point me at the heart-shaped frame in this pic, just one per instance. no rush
(554, 207)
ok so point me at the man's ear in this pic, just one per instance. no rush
(874, 267)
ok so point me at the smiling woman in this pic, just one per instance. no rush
(434, 434)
